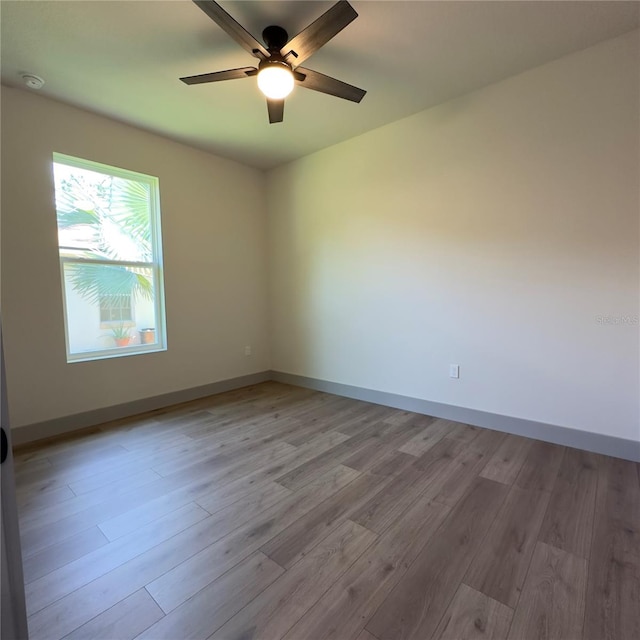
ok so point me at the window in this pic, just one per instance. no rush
(115, 308)
(110, 259)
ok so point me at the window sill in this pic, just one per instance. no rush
(119, 352)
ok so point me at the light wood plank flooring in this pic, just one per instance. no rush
(277, 512)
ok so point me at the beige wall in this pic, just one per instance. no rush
(490, 232)
(213, 218)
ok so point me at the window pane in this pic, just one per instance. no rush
(115, 307)
(109, 307)
(102, 216)
(110, 253)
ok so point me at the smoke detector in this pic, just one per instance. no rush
(32, 81)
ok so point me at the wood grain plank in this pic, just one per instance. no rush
(291, 544)
(613, 593)
(157, 442)
(123, 465)
(63, 553)
(135, 519)
(401, 432)
(568, 523)
(29, 499)
(47, 529)
(251, 504)
(367, 457)
(277, 609)
(474, 616)
(328, 418)
(501, 565)
(505, 464)
(211, 607)
(345, 608)
(255, 474)
(175, 585)
(415, 606)
(399, 417)
(213, 492)
(464, 432)
(308, 430)
(427, 438)
(68, 450)
(59, 583)
(24, 467)
(219, 461)
(364, 418)
(86, 512)
(451, 484)
(226, 452)
(237, 438)
(553, 599)
(80, 606)
(124, 621)
(314, 468)
(85, 464)
(447, 448)
(293, 428)
(384, 508)
(540, 468)
(320, 443)
(104, 489)
(392, 463)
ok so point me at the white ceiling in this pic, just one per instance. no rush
(123, 59)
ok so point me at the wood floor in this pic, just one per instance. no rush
(277, 512)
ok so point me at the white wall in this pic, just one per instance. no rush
(491, 232)
(214, 230)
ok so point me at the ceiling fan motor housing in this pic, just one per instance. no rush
(274, 61)
(275, 38)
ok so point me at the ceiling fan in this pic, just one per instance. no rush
(278, 68)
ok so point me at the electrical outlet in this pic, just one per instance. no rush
(247, 350)
(454, 370)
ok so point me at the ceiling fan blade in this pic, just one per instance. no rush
(216, 76)
(232, 27)
(318, 33)
(327, 84)
(276, 110)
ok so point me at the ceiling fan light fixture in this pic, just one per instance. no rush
(275, 80)
(276, 75)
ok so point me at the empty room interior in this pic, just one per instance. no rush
(320, 320)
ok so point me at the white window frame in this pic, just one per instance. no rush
(156, 266)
